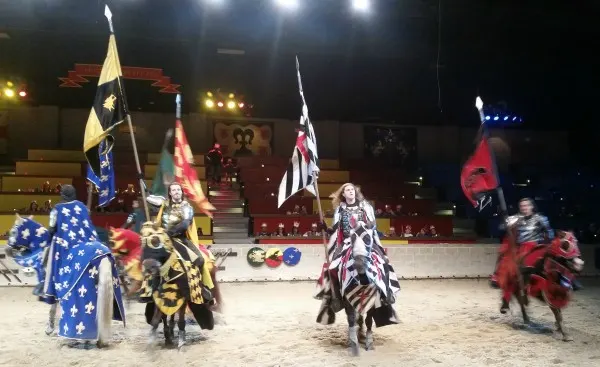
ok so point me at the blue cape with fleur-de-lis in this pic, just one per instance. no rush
(72, 272)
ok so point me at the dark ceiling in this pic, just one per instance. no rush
(537, 57)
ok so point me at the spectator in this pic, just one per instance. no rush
(296, 210)
(280, 231)
(33, 207)
(399, 209)
(229, 171)
(433, 231)
(314, 231)
(47, 206)
(263, 231)
(295, 230)
(388, 212)
(407, 231)
(378, 213)
(392, 232)
(303, 210)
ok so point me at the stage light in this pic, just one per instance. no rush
(241, 105)
(220, 104)
(231, 95)
(209, 103)
(506, 118)
(361, 5)
(23, 94)
(231, 105)
(9, 84)
(288, 4)
(209, 94)
(496, 118)
(9, 92)
(514, 118)
(487, 118)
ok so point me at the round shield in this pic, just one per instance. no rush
(291, 256)
(256, 256)
(274, 257)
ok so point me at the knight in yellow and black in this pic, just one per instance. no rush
(108, 111)
(184, 271)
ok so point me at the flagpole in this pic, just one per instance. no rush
(322, 220)
(108, 15)
(502, 201)
(89, 195)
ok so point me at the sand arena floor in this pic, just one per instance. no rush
(444, 323)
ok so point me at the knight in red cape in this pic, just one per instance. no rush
(532, 229)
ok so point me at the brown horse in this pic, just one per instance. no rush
(547, 274)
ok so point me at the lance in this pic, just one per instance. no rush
(108, 15)
(502, 201)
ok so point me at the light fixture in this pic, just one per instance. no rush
(209, 94)
(241, 105)
(231, 105)
(23, 94)
(9, 92)
(288, 4)
(209, 103)
(231, 95)
(220, 104)
(361, 5)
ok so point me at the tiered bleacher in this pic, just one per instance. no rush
(33, 188)
(411, 209)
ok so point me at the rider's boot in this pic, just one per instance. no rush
(504, 307)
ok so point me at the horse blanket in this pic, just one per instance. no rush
(72, 272)
(374, 290)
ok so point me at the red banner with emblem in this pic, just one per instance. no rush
(478, 175)
(78, 75)
(185, 174)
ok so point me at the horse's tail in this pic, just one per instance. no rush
(104, 313)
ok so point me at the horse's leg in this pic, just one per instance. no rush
(172, 326)
(51, 319)
(156, 319)
(361, 323)
(559, 326)
(105, 300)
(369, 342)
(352, 328)
(167, 331)
(181, 326)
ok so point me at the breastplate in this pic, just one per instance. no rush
(172, 215)
(346, 214)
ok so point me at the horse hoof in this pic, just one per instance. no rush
(101, 344)
(49, 330)
(567, 338)
(369, 341)
(354, 350)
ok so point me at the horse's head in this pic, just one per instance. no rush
(26, 235)
(156, 247)
(123, 242)
(565, 250)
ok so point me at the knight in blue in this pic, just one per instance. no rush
(80, 272)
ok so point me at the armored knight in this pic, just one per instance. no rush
(531, 229)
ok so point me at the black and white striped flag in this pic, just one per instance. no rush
(303, 168)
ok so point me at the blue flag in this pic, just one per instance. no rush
(106, 182)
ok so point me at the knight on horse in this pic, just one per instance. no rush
(531, 230)
(184, 268)
(357, 276)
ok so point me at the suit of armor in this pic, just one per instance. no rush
(177, 217)
(532, 228)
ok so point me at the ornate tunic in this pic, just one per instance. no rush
(531, 228)
(177, 217)
(346, 214)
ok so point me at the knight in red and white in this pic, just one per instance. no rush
(358, 270)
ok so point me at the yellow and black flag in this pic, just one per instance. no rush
(108, 111)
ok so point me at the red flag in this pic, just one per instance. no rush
(478, 175)
(185, 173)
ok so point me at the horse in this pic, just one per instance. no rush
(126, 246)
(547, 272)
(173, 278)
(364, 287)
(88, 266)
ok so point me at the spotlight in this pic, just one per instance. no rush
(10, 84)
(506, 118)
(361, 5)
(9, 92)
(288, 4)
(220, 104)
(23, 94)
(487, 118)
(241, 105)
(209, 103)
(231, 105)
(515, 118)
(231, 95)
(209, 94)
(496, 118)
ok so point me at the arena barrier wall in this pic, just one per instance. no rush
(154, 158)
(417, 261)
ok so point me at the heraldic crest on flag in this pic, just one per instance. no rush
(108, 111)
(73, 263)
(303, 169)
(478, 176)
